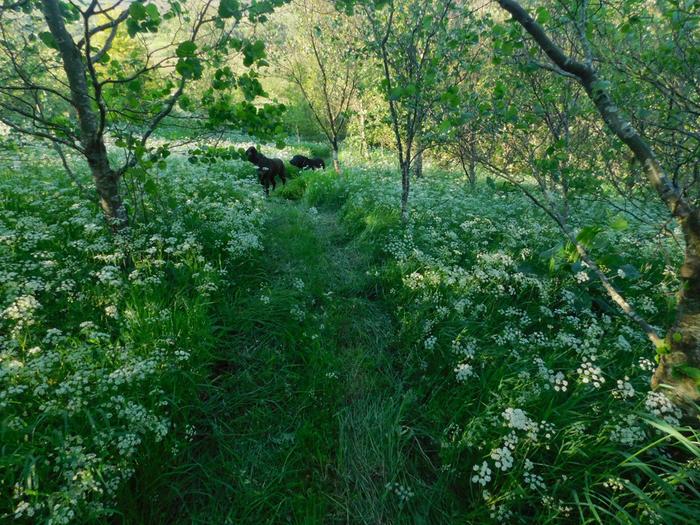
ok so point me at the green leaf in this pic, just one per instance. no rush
(48, 39)
(445, 125)
(152, 12)
(137, 11)
(229, 9)
(186, 49)
(499, 90)
(619, 223)
(395, 93)
(142, 19)
(587, 234)
(150, 187)
(69, 12)
(189, 68)
(542, 15)
(185, 103)
(688, 371)
(252, 52)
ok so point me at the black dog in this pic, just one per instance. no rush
(267, 168)
(302, 162)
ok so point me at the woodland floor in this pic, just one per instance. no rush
(316, 448)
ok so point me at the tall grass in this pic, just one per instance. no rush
(309, 359)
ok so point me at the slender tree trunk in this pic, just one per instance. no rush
(418, 165)
(679, 362)
(472, 163)
(405, 189)
(418, 161)
(92, 139)
(336, 162)
(467, 160)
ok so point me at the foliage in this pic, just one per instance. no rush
(534, 402)
(100, 362)
(75, 75)
(322, 355)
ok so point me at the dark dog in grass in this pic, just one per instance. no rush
(267, 168)
(302, 162)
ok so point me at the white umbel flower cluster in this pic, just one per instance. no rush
(662, 407)
(482, 474)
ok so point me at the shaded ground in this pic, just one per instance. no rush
(303, 415)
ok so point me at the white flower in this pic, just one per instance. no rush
(22, 309)
(582, 277)
(614, 484)
(534, 481)
(503, 458)
(516, 418)
(589, 373)
(646, 364)
(111, 311)
(483, 474)
(404, 493)
(627, 432)
(297, 313)
(624, 389)
(463, 372)
(661, 406)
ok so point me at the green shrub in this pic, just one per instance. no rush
(294, 189)
(322, 150)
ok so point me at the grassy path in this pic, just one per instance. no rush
(302, 421)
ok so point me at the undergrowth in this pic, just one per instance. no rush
(308, 358)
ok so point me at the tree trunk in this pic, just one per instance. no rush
(91, 138)
(107, 185)
(679, 362)
(418, 161)
(472, 163)
(468, 162)
(336, 162)
(405, 190)
(681, 365)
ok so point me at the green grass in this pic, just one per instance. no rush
(282, 430)
(324, 338)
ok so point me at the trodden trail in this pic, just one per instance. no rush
(303, 413)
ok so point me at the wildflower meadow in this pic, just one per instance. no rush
(373, 262)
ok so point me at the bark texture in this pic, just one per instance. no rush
(91, 136)
(336, 162)
(405, 190)
(680, 352)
